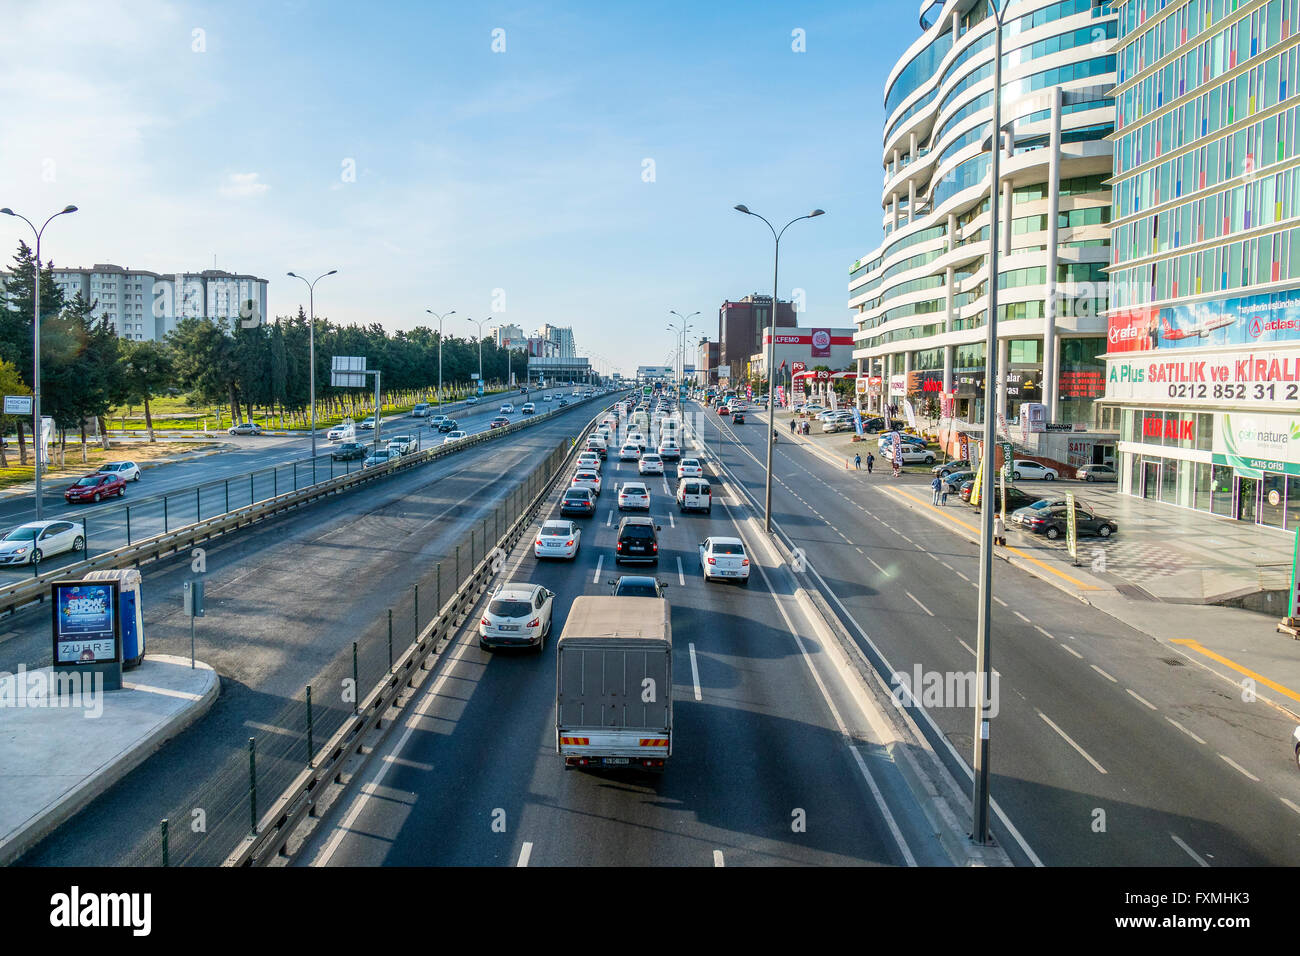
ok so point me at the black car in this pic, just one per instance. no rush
(737, 418)
(448, 425)
(635, 585)
(578, 501)
(1015, 498)
(638, 540)
(349, 451)
(1052, 523)
(564, 402)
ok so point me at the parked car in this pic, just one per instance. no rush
(638, 540)
(1051, 522)
(349, 451)
(836, 424)
(637, 585)
(1097, 473)
(246, 428)
(578, 501)
(126, 470)
(1015, 498)
(957, 478)
(950, 468)
(633, 494)
(519, 614)
(724, 559)
(1024, 468)
(95, 487)
(884, 440)
(34, 541)
(1035, 508)
(909, 454)
(558, 538)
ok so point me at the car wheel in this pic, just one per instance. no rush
(1090, 478)
(1104, 531)
(483, 645)
(78, 543)
(137, 476)
(1049, 477)
(929, 459)
(36, 556)
(96, 498)
(121, 492)
(1053, 534)
(1015, 475)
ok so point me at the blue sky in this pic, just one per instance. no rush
(475, 170)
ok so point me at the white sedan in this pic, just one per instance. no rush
(910, 455)
(629, 452)
(590, 460)
(558, 539)
(587, 478)
(650, 465)
(633, 494)
(518, 615)
(690, 468)
(724, 559)
(126, 470)
(454, 436)
(1023, 468)
(32, 542)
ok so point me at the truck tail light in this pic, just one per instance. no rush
(654, 742)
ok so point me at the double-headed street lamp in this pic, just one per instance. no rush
(686, 324)
(479, 323)
(36, 351)
(311, 346)
(771, 356)
(440, 318)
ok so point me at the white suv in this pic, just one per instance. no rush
(1022, 468)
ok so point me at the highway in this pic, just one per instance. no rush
(202, 478)
(1108, 749)
(766, 734)
(284, 598)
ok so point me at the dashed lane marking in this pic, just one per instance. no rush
(1185, 730)
(1140, 699)
(1066, 737)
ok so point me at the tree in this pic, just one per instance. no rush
(11, 383)
(147, 369)
(16, 339)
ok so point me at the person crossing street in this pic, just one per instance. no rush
(871, 461)
(857, 462)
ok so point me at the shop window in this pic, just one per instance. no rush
(1169, 481)
(1204, 432)
(1201, 491)
(1293, 503)
(1272, 505)
(1221, 490)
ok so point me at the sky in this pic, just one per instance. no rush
(523, 163)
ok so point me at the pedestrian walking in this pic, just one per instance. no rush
(792, 426)
(857, 462)
(935, 486)
(999, 530)
(871, 461)
(944, 490)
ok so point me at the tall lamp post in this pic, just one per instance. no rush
(311, 346)
(479, 323)
(440, 318)
(771, 356)
(686, 320)
(36, 350)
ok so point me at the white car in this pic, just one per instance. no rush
(403, 444)
(650, 465)
(636, 438)
(126, 470)
(472, 400)
(559, 538)
(724, 559)
(336, 433)
(546, 398)
(381, 457)
(690, 468)
(518, 615)
(629, 452)
(590, 460)
(454, 437)
(507, 409)
(911, 454)
(586, 478)
(1023, 468)
(669, 450)
(33, 542)
(367, 424)
(633, 494)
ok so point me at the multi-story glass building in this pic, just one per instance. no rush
(920, 298)
(1203, 357)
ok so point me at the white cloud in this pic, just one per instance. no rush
(243, 186)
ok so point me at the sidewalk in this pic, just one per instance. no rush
(1159, 574)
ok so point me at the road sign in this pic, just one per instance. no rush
(194, 597)
(18, 404)
(473, 376)
(348, 371)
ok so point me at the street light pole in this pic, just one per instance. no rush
(311, 346)
(440, 318)
(685, 325)
(36, 351)
(771, 356)
(479, 323)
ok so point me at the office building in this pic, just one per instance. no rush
(740, 331)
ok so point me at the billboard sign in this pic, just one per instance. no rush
(821, 343)
(1263, 380)
(1251, 321)
(85, 623)
(1253, 444)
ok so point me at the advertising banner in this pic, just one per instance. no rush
(85, 622)
(1033, 418)
(1253, 444)
(1251, 321)
(929, 382)
(860, 385)
(780, 395)
(1264, 379)
(821, 343)
(898, 385)
(1071, 528)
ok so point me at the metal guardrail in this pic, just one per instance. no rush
(326, 765)
(34, 590)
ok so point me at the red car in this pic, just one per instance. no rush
(94, 488)
(723, 410)
(499, 422)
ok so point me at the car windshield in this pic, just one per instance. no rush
(557, 527)
(637, 590)
(89, 480)
(723, 547)
(576, 494)
(509, 607)
(22, 534)
(638, 531)
(634, 489)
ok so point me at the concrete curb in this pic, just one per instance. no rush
(71, 802)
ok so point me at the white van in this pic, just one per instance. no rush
(694, 494)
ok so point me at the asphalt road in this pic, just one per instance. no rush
(1108, 749)
(758, 744)
(284, 598)
(198, 486)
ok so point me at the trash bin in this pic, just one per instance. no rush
(130, 611)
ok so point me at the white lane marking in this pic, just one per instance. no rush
(876, 566)
(525, 852)
(1066, 737)
(967, 646)
(681, 576)
(1104, 674)
(1021, 616)
(947, 565)
(671, 522)
(717, 858)
(595, 578)
(999, 600)
(1044, 633)
(1290, 804)
(1238, 767)
(1185, 730)
(695, 672)
(962, 576)
(1190, 852)
(1070, 650)
(609, 518)
(1140, 699)
(918, 603)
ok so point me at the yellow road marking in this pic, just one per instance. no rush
(1187, 642)
(1083, 586)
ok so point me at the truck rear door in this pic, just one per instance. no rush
(615, 703)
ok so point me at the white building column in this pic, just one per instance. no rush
(1003, 349)
(1051, 343)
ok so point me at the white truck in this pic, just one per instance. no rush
(614, 684)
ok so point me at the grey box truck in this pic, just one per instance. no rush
(614, 684)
